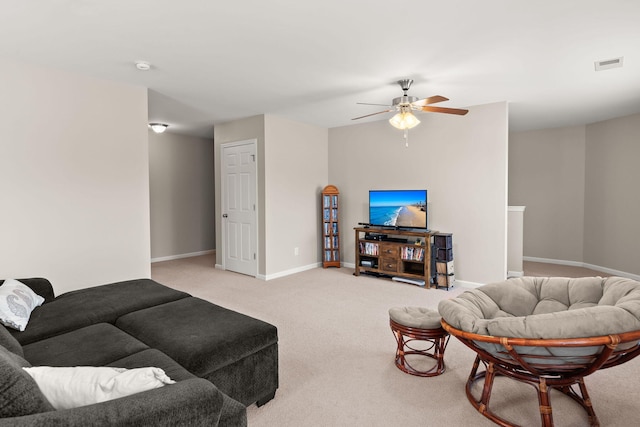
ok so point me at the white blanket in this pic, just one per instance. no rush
(71, 387)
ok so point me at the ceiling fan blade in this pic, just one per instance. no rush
(373, 114)
(457, 111)
(381, 105)
(430, 100)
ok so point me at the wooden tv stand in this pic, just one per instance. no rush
(394, 253)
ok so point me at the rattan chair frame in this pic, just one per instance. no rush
(537, 372)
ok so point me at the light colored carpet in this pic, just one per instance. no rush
(543, 269)
(336, 355)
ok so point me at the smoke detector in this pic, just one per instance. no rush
(143, 65)
(609, 63)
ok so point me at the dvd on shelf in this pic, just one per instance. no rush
(410, 253)
(368, 248)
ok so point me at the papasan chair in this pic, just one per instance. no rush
(545, 332)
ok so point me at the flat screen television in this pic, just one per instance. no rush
(398, 208)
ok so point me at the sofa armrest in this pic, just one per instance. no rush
(194, 402)
(40, 286)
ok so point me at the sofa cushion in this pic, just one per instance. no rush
(9, 342)
(195, 402)
(94, 345)
(154, 357)
(17, 301)
(233, 412)
(19, 393)
(84, 307)
(199, 335)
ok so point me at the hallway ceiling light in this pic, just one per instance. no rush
(158, 127)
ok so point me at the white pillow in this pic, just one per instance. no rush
(17, 301)
(71, 387)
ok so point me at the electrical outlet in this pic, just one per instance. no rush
(296, 252)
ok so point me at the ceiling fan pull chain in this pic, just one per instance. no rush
(406, 137)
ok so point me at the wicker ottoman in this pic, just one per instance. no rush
(418, 331)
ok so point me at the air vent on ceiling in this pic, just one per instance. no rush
(609, 63)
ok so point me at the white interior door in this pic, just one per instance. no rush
(239, 236)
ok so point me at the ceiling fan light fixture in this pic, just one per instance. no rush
(158, 127)
(404, 120)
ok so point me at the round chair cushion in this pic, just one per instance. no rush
(416, 317)
(547, 308)
(537, 307)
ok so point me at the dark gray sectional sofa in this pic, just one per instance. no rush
(222, 360)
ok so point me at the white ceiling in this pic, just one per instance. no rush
(215, 61)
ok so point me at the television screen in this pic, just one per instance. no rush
(399, 208)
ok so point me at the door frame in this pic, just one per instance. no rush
(223, 190)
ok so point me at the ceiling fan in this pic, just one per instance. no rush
(405, 104)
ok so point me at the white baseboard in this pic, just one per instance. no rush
(465, 284)
(280, 274)
(289, 272)
(613, 272)
(584, 265)
(553, 261)
(180, 256)
(515, 273)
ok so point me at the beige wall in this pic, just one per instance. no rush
(579, 185)
(181, 195)
(612, 198)
(461, 161)
(296, 171)
(546, 174)
(292, 168)
(75, 186)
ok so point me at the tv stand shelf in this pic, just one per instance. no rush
(394, 253)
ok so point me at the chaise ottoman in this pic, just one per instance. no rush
(238, 353)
